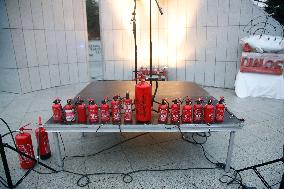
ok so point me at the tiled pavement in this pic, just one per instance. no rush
(261, 140)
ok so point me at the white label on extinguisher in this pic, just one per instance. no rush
(163, 115)
(70, 116)
(46, 144)
(27, 149)
(220, 114)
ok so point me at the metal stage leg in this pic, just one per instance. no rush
(57, 149)
(230, 151)
(83, 134)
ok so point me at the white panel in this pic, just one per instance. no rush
(163, 20)
(7, 55)
(61, 46)
(234, 12)
(109, 70)
(118, 70)
(190, 70)
(230, 75)
(48, 20)
(13, 13)
(44, 77)
(108, 45)
(68, 14)
(37, 14)
(220, 74)
(201, 43)
(181, 70)
(54, 75)
(209, 72)
(191, 12)
(128, 68)
(83, 72)
(233, 38)
(78, 14)
(212, 6)
(106, 14)
(246, 12)
(71, 46)
(222, 43)
(190, 44)
(64, 74)
(81, 46)
(30, 48)
(26, 14)
(25, 80)
(163, 43)
(51, 47)
(3, 15)
(223, 12)
(19, 47)
(58, 14)
(35, 78)
(199, 72)
(202, 13)
(117, 45)
(74, 73)
(41, 47)
(10, 80)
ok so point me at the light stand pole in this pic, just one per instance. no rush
(135, 40)
(151, 45)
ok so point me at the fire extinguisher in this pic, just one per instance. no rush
(187, 111)
(220, 110)
(105, 116)
(127, 107)
(197, 111)
(93, 110)
(42, 140)
(81, 111)
(175, 113)
(209, 112)
(115, 109)
(163, 111)
(143, 101)
(57, 111)
(69, 111)
(25, 145)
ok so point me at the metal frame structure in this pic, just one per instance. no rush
(185, 128)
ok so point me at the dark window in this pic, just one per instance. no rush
(93, 20)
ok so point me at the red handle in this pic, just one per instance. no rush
(23, 127)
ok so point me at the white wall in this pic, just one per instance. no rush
(197, 39)
(43, 44)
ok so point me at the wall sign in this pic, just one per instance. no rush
(267, 63)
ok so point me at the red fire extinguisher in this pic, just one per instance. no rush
(93, 110)
(105, 116)
(175, 113)
(197, 111)
(42, 140)
(57, 111)
(81, 111)
(187, 111)
(115, 109)
(69, 111)
(163, 111)
(143, 101)
(127, 107)
(209, 112)
(25, 145)
(220, 110)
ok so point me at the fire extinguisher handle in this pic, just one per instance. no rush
(24, 127)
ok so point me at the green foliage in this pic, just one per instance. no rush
(276, 9)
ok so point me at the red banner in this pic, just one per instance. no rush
(266, 63)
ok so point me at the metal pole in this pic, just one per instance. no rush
(5, 164)
(151, 42)
(230, 151)
(57, 149)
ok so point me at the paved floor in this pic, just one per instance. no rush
(261, 140)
